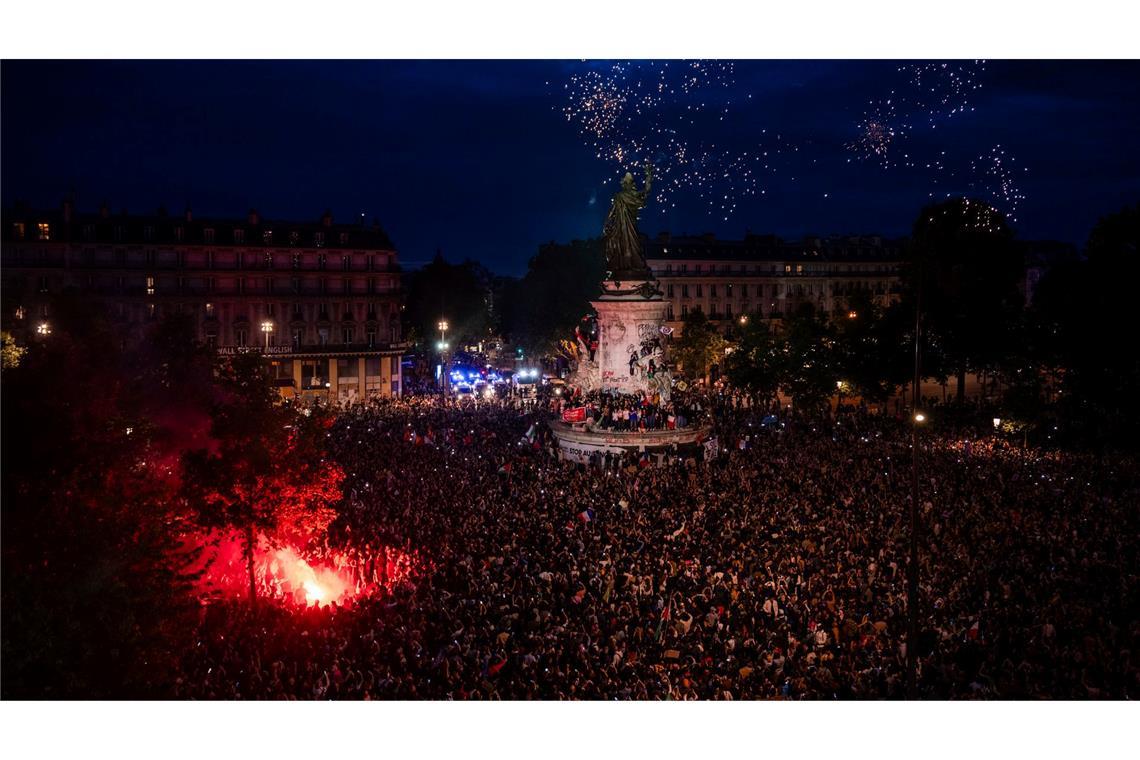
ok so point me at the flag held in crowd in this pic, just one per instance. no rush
(577, 414)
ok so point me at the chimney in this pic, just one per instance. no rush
(189, 215)
(326, 220)
(254, 218)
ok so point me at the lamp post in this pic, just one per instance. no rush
(267, 328)
(43, 328)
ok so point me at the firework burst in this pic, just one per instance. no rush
(670, 114)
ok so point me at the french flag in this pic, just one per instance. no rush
(586, 515)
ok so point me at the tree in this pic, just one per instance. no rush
(95, 590)
(545, 306)
(700, 345)
(965, 269)
(9, 351)
(811, 359)
(872, 350)
(1080, 316)
(264, 474)
(457, 293)
(757, 362)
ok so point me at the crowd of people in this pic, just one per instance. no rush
(633, 412)
(773, 570)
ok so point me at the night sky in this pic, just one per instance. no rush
(477, 159)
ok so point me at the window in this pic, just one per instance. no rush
(371, 335)
(684, 268)
(296, 282)
(296, 261)
(89, 232)
(321, 261)
(346, 262)
(19, 312)
(799, 268)
(151, 311)
(18, 230)
(178, 233)
(371, 285)
(712, 290)
(239, 336)
(700, 290)
(684, 310)
(118, 233)
(148, 232)
(297, 312)
(267, 237)
(208, 234)
(270, 309)
(728, 311)
(241, 285)
(298, 336)
(44, 231)
(150, 257)
(670, 317)
(371, 263)
(346, 286)
(668, 269)
(209, 311)
(323, 336)
(669, 290)
(211, 284)
(347, 334)
(268, 260)
(684, 291)
(318, 239)
(239, 236)
(294, 237)
(728, 290)
(150, 285)
(343, 238)
(43, 283)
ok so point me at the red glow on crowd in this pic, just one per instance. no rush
(322, 578)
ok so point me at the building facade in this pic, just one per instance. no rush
(763, 276)
(321, 301)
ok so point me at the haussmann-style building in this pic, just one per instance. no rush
(321, 300)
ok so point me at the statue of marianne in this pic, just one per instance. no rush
(621, 241)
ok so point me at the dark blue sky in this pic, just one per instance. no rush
(475, 158)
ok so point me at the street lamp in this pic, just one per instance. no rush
(852, 314)
(743, 319)
(43, 328)
(442, 327)
(997, 422)
(267, 328)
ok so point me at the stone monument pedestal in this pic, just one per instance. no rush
(629, 327)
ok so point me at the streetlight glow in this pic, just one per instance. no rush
(43, 328)
(919, 417)
(267, 328)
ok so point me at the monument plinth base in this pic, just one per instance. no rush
(578, 444)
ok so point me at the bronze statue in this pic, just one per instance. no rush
(621, 240)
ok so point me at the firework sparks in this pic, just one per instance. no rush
(669, 114)
(996, 174)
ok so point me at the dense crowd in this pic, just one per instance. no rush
(774, 570)
(630, 413)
